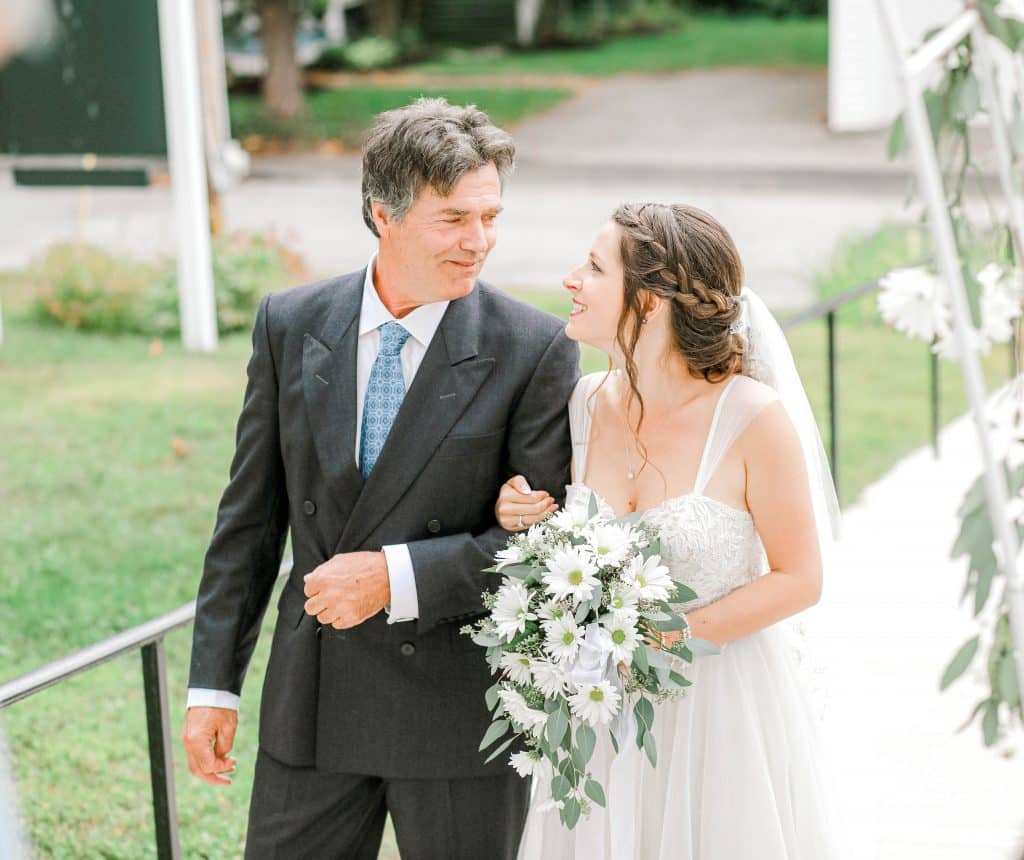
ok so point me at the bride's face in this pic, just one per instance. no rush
(596, 288)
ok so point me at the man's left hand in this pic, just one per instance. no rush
(346, 590)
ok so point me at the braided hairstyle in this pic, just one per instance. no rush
(685, 256)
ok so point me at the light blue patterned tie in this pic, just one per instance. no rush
(384, 394)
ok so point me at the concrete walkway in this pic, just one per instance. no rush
(750, 146)
(888, 624)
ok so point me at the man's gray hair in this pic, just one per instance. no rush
(429, 142)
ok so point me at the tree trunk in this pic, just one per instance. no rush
(282, 84)
(385, 17)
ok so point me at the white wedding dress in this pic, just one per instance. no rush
(740, 772)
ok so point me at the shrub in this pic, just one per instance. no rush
(86, 288)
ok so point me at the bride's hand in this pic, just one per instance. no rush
(518, 507)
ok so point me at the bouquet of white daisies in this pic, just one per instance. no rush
(574, 631)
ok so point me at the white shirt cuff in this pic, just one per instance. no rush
(200, 698)
(405, 605)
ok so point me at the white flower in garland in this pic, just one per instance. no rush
(911, 300)
(571, 519)
(551, 610)
(1011, 9)
(509, 555)
(518, 667)
(563, 638)
(529, 719)
(623, 598)
(611, 542)
(650, 578)
(619, 635)
(548, 677)
(512, 610)
(1000, 301)
(571, 573)
(595, 704)
(530, 763)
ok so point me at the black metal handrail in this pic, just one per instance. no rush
(149, 637)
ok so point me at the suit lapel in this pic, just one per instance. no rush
(329, 388)
(445, 384)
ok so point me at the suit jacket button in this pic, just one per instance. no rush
(407, 649)
(434, 526)
(309, 507)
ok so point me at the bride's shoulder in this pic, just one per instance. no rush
(750, 394)
(587, 385)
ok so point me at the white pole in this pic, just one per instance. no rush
(183, 112)
(930, 180)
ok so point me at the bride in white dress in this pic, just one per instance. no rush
(734, 480)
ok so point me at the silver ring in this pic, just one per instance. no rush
(520, 525)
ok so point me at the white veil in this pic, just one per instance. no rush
(768, 359)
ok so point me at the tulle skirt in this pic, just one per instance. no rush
(742, 772)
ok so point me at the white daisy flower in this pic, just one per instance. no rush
(1000, 301)
(570, 519)
(947, 347)
(595, 704)
(509, 555)
(550, 610)
(1011, 9)
(623, 597)
(912, 301)
(530, 719)
(650, 578)
(548, 678)
(518, 667)
(619, 635)
(512, 610)
(611, 542)
(563, 638)
(571, 573)
(530, 763)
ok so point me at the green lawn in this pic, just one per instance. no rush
(707, 41)
(347, 114)
(105, 525)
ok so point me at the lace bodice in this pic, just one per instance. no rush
(710, 546)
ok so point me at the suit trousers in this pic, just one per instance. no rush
(302, 812)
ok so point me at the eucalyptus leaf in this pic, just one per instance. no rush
(936, 108)
(983, 586)
(557, 725)
(571, 812)
(655, 615)
(990, 722)
(595, 792)
(592, 507)
(491, 697)
(644, 712)
(674, 622)
(560, 787)
(586, 740)
(702, 648)
(958, 665)
(897, 138)
(684, 594)
(651, 749)
(495, 730)
(681, 680)
(1008, 685)
(499, 750)
(640, 659)
(615, 743)
(518, 571)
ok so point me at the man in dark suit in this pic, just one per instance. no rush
(383, 411)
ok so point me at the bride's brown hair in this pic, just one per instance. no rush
(686, 257)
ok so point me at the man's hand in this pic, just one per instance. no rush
(208, 736)
(346, 590)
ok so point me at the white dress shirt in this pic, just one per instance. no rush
(422, 325)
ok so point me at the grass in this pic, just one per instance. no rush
(707, 41)
(113, 462)
(346, 115)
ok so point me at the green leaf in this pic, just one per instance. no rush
(499, 750)
(557, 725)
(594, 791)
(644, 711)
(582, 611)
(640, 659)
(655, 615)
(986, 573)
(974, 713)
(657, 659)
(958, 665)
(702, 648)
(997, 26)
(897, 138)
(1008, 686)
(974, 498)
(965, 97)
(571, 812)
(615, 743)
(936, 108)
(560, 787)
(651, 749)
(683, 594)
(592, 508)
(491, 697)
(586, 740)
(681, 680)
(975, 532)
(496, 730)
(990, 722)
(518, 571)
(550, 706)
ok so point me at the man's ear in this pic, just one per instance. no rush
(381, 217)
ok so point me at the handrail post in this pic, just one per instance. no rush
(161, 762)
(833, 396)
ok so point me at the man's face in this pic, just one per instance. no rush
(435, 253)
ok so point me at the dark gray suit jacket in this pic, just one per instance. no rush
(488, 401)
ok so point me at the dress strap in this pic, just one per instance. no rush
(740, 402)
(581, 414)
